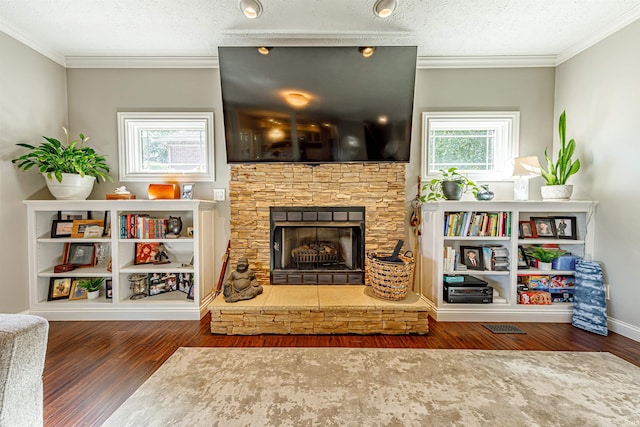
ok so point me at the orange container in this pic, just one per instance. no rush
(163, 191)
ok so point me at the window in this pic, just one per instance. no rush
(480, 144)
(167, 146)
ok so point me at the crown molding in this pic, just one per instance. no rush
(212, 62)
(599, 34)
(506, 61)
(41, 49)
(141, 62)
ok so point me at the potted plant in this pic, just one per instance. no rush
(557, 174)
(450, 186)
(92, 285)
(545, 256)
(74, 166)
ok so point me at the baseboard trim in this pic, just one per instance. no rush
(624, 329)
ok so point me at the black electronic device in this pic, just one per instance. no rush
(467, 281)
(317, 104)
(468, 294)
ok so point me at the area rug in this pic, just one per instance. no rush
(384, 387)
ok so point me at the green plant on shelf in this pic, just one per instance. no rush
(545, 254)
(91, 284)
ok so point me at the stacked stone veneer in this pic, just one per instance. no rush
(298, 321)
(379, 187)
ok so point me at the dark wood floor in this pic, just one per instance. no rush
(93, 367)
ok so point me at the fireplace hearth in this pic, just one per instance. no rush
(317, 245)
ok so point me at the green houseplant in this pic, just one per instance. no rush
(73, 161)
(92, 285)
(450, 186)
(544, 255)
(557, 174)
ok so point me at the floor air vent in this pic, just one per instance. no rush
(503, 329)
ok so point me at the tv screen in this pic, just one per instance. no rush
(317, 104)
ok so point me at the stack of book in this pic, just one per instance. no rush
(496, 257)
(481, 224)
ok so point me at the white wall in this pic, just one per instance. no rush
(96, 95)
(528, 90)
(600, 91)
(33, 102)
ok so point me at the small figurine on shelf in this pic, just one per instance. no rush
(174, 227)
(161, 257)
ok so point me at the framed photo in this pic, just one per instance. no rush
(73, 215)
(61, 228)
(80, 254)
(184, 282)
(191, 291)
(76, 291)
(187, 191)
(523, 260)
(59, 288)
(472, 257)
(146, 252)
(527, 230)
(108, 286)
(93, 232)
(545, 227)
(566, 227)
(79, 226)
(106, 224)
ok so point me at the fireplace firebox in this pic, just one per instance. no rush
(317, 245)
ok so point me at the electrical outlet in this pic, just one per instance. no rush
(607, 292)
(219, 194)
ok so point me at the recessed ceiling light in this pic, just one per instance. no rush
(384, 8)
(366, 51)
(251, 8)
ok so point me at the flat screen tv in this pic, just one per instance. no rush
(317, 104)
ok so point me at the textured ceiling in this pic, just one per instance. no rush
(440, 28)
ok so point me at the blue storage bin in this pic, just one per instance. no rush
(565, 262)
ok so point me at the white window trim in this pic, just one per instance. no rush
(504, 162)
(127, 149)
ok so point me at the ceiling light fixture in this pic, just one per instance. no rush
(297, 99)
(251, 8)
(366, 51)
(384, 8)
(264, 50)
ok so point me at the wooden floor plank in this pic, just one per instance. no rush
(91, 368)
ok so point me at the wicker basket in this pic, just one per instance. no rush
(389, 280)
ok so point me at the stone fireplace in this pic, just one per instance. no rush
(255, 190)
(317, 245)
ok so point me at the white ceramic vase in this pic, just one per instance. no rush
(93, 294)
(556, 192)
(72, 187)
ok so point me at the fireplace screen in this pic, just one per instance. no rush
(317, 245)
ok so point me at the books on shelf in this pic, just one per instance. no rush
(477, 224)
(142, 226)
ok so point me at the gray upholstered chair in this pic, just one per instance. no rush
(23, 344)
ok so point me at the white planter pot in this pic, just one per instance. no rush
(72, 187)
(544, 266)
(556, 192)
(93, 294)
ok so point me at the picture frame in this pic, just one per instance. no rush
(471, 256)
(79, 254)
(191, 292)
(73, 215)
(523, 260)
(93, 232)
(146, 252)
(79, 226)
(527, 230)
(566, 227)
(187, 191)
(545, 227)
(106, 232)
(59, 288)
(108, 286)
(189, 231)
(61, 228)
(77, 292)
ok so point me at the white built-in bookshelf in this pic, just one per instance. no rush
(443, 243)
(191, 257)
